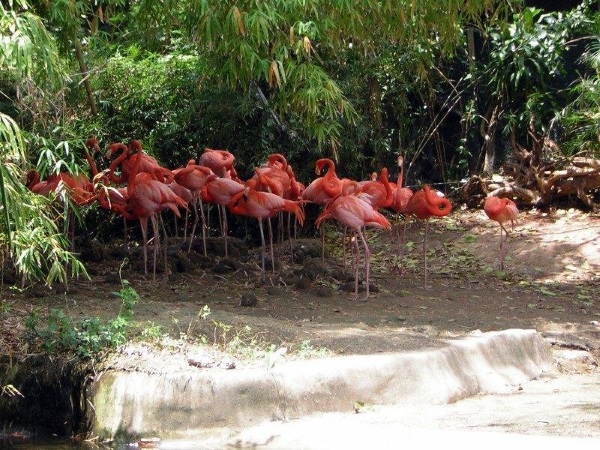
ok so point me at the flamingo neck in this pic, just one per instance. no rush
(438, 206)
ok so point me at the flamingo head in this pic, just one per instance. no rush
(92, 144)
(135, 145)
(115, 149)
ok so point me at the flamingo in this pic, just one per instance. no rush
(186, 195)
(401, 196)
(377, 192)
(114, 199)
(79, 188)
(219, 161)
(425, 204)
(354, 212)
(193, 177)
(262, 205)
(147, 197)
(220, 191)
(274, 177)
(501, 210)
(322, 190)
(120, 155)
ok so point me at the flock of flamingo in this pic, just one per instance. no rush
(136, 187)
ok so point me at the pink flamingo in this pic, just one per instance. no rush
(220, 191)
(355, 213)
(194, 177)
(401, 196)
(501, 210)
(425, 204)
(147, 198)
(263, 205)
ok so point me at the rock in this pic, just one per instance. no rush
(248, 299)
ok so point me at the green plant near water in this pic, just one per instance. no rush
(58, 332)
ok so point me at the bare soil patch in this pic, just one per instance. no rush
(551, 283)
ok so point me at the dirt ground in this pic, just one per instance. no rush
(551, 282)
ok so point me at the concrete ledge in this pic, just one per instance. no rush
(178, 405)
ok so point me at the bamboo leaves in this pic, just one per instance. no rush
(28, 228)
(27, 49)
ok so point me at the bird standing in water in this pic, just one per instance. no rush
(501, 210)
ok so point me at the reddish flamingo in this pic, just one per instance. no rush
(401, 196)
(120, 155)
(274, 177)
(220, 191)
(113, 199)
(219, 161)
(322, 190)
(186, 195)
(79, 188)
(377, 192)
(501, 210)
(147, 198)
(193, 177)
(424, 204)
(355, 213)
(263, 205)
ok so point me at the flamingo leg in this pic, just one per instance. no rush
(185, 224)
(203, 219)
(289, 228)
(502, 245)
(156, 232)
(194, 225)
(271, 245)
(367, 261)
(224, 226)
(165, 244)
(344, 247)
(262, 247)
(144, 227)
(425, 253)
(354, 243)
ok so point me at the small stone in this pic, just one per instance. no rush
(227, 364)
(202, 361)
(248, 299)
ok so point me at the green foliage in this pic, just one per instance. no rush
(29, 229)
(28, 51)
(526, 66)
(59, 332)
(581, 117)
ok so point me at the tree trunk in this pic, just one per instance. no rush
(488, 133)
(86, 77)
